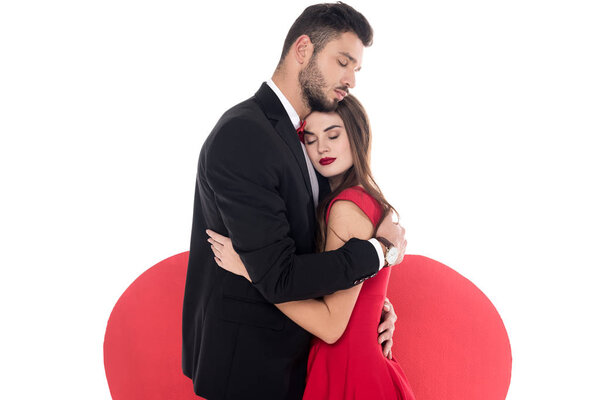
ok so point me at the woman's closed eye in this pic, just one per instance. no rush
(307, 142)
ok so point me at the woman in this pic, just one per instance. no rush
(345, 361)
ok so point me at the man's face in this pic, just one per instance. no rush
(330, 73)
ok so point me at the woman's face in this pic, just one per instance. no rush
(327, 144)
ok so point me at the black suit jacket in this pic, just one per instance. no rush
(253, 186)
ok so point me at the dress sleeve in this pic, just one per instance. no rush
(362, 199)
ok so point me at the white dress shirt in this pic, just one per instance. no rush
(295, 118)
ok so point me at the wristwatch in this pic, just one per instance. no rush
(391, 252)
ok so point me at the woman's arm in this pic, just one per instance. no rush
(328, 318)
(325, 318)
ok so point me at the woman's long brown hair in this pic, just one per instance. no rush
(358, 129)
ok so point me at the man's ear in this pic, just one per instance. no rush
(302, 49)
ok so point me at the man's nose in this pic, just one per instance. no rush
(349, 79)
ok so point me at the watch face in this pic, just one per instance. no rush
(392, 255)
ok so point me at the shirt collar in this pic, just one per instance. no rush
(286, 104)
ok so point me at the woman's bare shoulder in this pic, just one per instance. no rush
(348, 221)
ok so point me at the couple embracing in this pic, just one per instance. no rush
(292, 240)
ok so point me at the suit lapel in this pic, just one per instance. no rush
(274, 110)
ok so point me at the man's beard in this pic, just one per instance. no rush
(313, 86)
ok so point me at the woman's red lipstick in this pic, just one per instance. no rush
(326, 160)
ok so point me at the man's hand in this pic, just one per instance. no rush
(386, 328)
(394, 232)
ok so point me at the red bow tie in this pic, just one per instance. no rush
(300, 131)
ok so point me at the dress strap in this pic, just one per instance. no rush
(362, 199)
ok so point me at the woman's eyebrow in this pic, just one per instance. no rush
(307, 132)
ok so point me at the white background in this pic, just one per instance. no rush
(485, 118)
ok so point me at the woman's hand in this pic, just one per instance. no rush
(225, 255)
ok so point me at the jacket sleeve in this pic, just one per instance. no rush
(244, 179)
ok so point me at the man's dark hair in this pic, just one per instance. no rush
(325, 22)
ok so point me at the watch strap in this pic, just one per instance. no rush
(385, 242)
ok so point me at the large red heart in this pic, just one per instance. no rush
(142, 344)
(449, 338)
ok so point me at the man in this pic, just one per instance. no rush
(256, 185)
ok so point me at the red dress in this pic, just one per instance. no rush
(354, 367)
